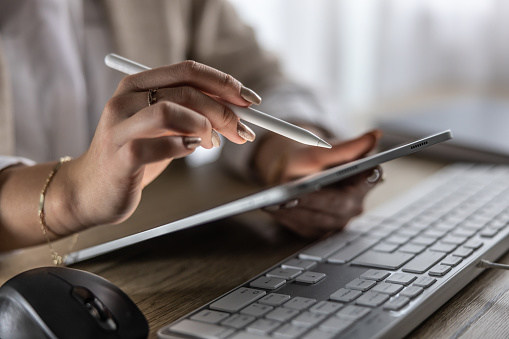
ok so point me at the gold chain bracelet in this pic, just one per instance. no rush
(57, 259)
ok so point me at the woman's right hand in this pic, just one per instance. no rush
(134, 142)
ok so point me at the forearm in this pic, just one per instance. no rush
(20, 189)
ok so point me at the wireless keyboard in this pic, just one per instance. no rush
(379, 278)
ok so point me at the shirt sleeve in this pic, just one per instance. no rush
(6, 161)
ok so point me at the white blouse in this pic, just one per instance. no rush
(54, 51)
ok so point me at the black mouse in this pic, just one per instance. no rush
(60, 302)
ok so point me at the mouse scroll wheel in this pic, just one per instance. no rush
(95, 307)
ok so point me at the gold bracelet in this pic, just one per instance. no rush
(57, 259)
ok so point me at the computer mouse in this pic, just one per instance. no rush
(61, 302)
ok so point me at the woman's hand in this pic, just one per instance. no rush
(134, 141)
(329, 209)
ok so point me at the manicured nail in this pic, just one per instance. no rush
(290, 204)
(191, 142)
(245, 132)
(374, 176)
(376, 133)
(216, 140)
(250, 95)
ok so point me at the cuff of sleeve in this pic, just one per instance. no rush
(6, 161)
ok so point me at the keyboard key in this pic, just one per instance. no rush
(451, 260)
(281, 314)
(391, 261)
(385, 247)
(246, 335)
(372, 299)
(274, 299)
(310, 277)
(336, 325)
(308, 319)
(386, 288)
(396, 303)
(464, 232)
(284, 273)
(424, 241)
(412, 248)
(360, 284)
(488, 232)
(473, 244)
(423, 262)
(353, 312)
(325, 307)
(201, 330)
(262, 326)
(376, 275)
(256, 309)
(238, 299)
(439, 270)
(352, 250)
(463, 252)
(211, 317)
(238, 321)
(397, 239)
(434, 233)
(289, 331)
(424, 282)
(443, 247)
(456, 240)
(267, 283)
(318, 334)
(345, 295)
(299, 264)
(408, 232)
(401, 278)
(411, 291)
(299, 303)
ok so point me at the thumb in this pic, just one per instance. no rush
(313, 159)
(346, 151)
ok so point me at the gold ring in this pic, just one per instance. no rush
(151, 96)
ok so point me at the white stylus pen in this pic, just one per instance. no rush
(249, 114)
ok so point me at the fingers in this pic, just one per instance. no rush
(191, 73)
(221, 118)
(329, 209)
(135, 154)
(163, 119)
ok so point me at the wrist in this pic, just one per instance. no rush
(61, 205)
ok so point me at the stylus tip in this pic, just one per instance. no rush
(323, 143)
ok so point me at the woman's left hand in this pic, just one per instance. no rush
(329, 209)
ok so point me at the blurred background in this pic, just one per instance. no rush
(373, 58)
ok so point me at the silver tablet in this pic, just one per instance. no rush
(271, 196)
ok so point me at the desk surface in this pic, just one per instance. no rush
(169, 276)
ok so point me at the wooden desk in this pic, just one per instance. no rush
(169, 276)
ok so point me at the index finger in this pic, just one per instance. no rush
(191, 73)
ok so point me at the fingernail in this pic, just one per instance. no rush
(290, 204)
(374, 176)
(191, 142)
(376, 133)
(216, 140)
(245, 132)
(250, 95)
